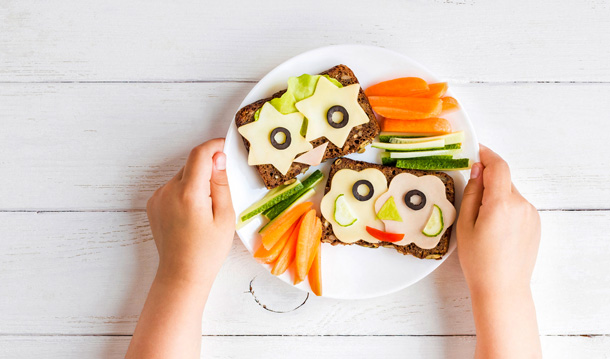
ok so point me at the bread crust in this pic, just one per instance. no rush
(437, 252)
(359, 136)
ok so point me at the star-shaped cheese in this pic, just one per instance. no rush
(258, 133)
(316, 107)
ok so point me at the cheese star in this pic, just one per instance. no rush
(262, 150)
(316, 107)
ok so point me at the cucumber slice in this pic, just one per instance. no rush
(455, 137)
(344, 216)
(272, 197)
(454, 146)
(427, 145)
(386, 160)
(304, 197)
(435, 164)
(386, 136)
(308, 183)
(435, 224)
(424, 153)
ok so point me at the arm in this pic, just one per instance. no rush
(192, 221)
(498, 234)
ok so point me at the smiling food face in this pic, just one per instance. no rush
(416, 207)
(349, 206)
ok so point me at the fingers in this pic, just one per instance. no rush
(473, 195)
(198, 168)
(222, 207)
(497, 173)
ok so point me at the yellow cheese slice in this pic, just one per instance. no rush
(342, 183)
(258, 134)
(414, 221)
(327, 95)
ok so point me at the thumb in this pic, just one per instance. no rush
(222, 207)
(473, 195)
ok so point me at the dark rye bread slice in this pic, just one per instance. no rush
(435, 253)
(358, 138)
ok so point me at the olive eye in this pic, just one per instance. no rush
(363, 186)
(342, 117)
(415, 199)
(280, 138)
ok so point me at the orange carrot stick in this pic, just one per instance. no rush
(288, 252)
(404, 86)
(272, 233)
(424, 127)
(437, 90)
(310, 231)
(315, 273)
(406, 108)
(269, 256)
(449, 105)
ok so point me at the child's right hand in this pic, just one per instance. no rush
(498, 231)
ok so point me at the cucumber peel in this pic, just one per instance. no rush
(434, 164)
(272, 197)
(344, 216)
(451, 138)
(435, 224)
(280, 207)
(304, 197)
(427, 145)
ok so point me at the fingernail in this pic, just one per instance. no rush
(475, 171)
(221, 161)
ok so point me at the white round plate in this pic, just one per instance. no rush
(348, 272)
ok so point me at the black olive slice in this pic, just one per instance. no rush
(413, 193)
(329, 117)
(360, 197)
(285, 144)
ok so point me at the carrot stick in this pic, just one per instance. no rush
(315, 273)
(269, 256)
(288, 252)
(310, 231)
(424, 127)
(404, 86)
(272, 233)
(437, 90)
(449, 105)
(406, 108)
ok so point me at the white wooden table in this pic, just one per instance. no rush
(100, 102)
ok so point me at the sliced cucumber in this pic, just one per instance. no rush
(386, 160)
(435, 224)
(344, 216)
(389, 211)
(424, 153)
(308, 183)
(455, 137)
(386, 136)
(435, 164)
(427, 145)
(272, 197)
(304, 197)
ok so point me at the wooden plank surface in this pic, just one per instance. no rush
(453, 347)
(186, 40)
(88, 274)
(109, 146)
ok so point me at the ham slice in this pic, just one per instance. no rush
(313, 157)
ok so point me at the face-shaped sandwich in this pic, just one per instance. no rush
(416, 207)
(350, 204)
(360, 206)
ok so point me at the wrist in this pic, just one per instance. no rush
(181, 274)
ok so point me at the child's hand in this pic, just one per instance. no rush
(192, 218)
(498, 234)
(498, 231)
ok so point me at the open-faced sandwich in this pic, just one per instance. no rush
(374, 205)
(318, 117)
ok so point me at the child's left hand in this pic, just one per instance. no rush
(192, 218)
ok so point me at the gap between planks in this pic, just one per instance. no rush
(291, 335)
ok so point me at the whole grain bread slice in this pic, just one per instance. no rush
(359, 137)
(437, 252)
